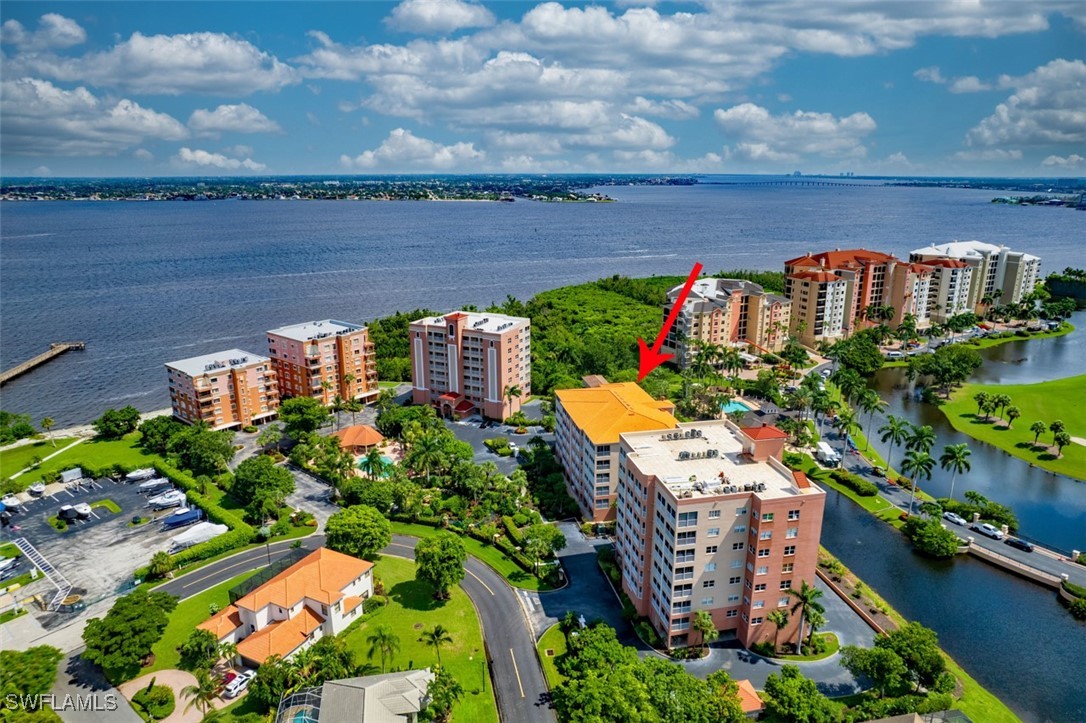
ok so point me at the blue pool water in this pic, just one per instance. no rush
(734, 406)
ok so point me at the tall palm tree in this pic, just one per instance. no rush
(921, 438)
(870, 402)
(779, 618)
(849, 382)
(203, 692)
(846, 420)
(1002, 401)
(426, 453)
(512, 391)
(1038, 428)
(802, 400)
(981, 398)
(326, 386)
(917, 465)
(227, 652)
(806, 596)
(955, 457)
(354, 406)
(373, 464)
(815, 619)
(1013, 413)
(384, 643)
(1061, 440)
(1056, 427)
(894, 433)
(435, 638)
(731, 361)
(348, 380)
(703, 623)
(47, 423)
(338, 405)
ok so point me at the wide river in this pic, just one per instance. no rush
(147, 283)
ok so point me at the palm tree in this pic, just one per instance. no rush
(806, 596)
(780, 619)
(1001, 401)
(227, 652)
(1013, 413)
(383, 642)
(731, 361)
(338, 405)
(426, 453)
(203, 693)
(703, 623)
(1056, 427)
(354, 406)
(848, 381)
(348, 379)
(1061, 440)
(1038, 428)
(846, 420)
(435, 638)
(921, 439)
(326, 386)
(981, 398)
(870, 402)
(512, 391)
(47, 424)
(802, 399)
(955, 457)
(373, 463)
(161, 564)
(917, 465)
(816, 619)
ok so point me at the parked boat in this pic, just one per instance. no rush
(138, 474)
(182, 518)
(153, 485)
(196, 534)
(37, 489)
(173, 498)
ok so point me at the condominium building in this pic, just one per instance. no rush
(588, 423)
(726, 312)
(948, 292)
(997, 271)
(466, 362)
(324, 359)
(709, 518)
(227, 389)
(819, 301)
(319, 595)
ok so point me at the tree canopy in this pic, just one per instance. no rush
(28, 672)
(302, 414)
(262, 486)
(201, 450)
(440, 561)
(120, 640)
(115, 423)
(791, 697)
(360, 531)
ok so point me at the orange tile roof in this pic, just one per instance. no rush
(350, 603)
(819, 276)
(359, 435)
(841, 258)
(766, 431)
(319, 576)
(222, 623)
(748, 697)
(608, 410)
(801, 480)
(280, 638)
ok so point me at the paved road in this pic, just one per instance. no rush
(84, 682)
(518, 680)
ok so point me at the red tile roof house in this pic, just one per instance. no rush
(319, 595)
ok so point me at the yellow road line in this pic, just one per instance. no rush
(517, 672)
(480, 581)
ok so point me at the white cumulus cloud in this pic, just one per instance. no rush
(439, 16)
(761, 136)
(1048, 106)
(969, 84)
(404, 150)
(241, 118)
(990, 154)
(1072, 161)
(204, 160)
(931, 74)
(54, 31)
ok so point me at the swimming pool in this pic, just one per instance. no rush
(733, 406)
(388, 462)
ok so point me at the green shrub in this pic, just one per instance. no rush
(1078, 609)
(156, 702)
(249, 429)
(511, 529)
(1076, 590)
(855, 483)
(765, 649)
(371, 604)
(646, 632)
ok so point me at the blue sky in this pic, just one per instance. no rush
(972, 87)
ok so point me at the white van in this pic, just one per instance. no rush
(825, 454)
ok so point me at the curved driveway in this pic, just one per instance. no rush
(518, 680)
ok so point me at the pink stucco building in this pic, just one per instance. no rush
(324, 359)
(227, 390)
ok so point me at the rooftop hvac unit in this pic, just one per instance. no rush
(748, 487)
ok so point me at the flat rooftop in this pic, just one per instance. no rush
(477, 321)
(313, 330)
(967, 249)
(706, 459)
(217, 361)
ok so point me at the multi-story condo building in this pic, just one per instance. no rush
(319, 595)
(228, 389)
(467, 362)
(588, 422)
(909, 293)
(709, 518)
(948, 292)
(997, 271)
(726, 312)
(324, 359)
(819, 302)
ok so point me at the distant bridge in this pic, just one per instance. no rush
(795, 182)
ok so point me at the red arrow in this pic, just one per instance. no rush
(652, 358)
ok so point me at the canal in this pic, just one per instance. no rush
(1050, 507)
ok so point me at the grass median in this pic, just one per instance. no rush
(552, 646)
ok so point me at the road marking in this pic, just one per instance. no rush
(517, 672)
(95, 516)
(480, 581)
(223, 569)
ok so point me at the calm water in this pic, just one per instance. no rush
(147, 283)
(1011, 635)
(1050, 507)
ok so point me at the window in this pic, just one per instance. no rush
(706, 602)
(708, 583)
(710, 567)
(733, 598)
(759, 604)
(684, 590)
(734, 580)
(684, 556)
(793, 532)
(714, 532)
(684, 573)
(756, 621)
(740, 528)
(788, 567)
(740, 511)
(731, 613)
(764, 552)
(688, 519)
(686, 538)
(736, 564)
(738, 546)
(793, 515)
(714, 514)
(763, 570)
(789, 550)
(767, 517)
(766, 534)
(786, 584)
(711, 550)
(783, 602)
(760, 587)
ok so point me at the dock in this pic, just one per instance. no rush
(55, 350)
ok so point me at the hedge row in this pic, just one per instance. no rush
(1077, 590)
(521, 561)
(855, 483)
(512, 531)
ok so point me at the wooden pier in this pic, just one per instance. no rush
(55, 350)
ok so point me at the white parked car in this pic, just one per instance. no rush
(894, 355)
(235, 687)
(954, 517)
(987, 530)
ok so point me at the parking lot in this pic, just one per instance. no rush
(97, 555)
(475, 431)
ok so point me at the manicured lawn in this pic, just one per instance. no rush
(832, 646)
(184, 619)
(109, 505)
(1048, 401)
(389, 385)
(21, 580)
(492, 556)
(9, 550)
(13, 460)
(553, 640)
(11, 615)
(96, 454)
(412, 609)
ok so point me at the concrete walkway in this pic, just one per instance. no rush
(177, 681)
(49, 457)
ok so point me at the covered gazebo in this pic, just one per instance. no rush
(359, 438)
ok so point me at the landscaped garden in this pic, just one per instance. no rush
(93, 454)
(1036, 404)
